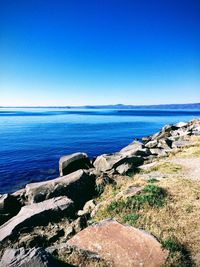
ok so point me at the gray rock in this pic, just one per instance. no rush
(158, 151)
(88, 207)
(180, 143)
(196, 130)
(133, 147)
(129, 192)
(34, 257)
(78, 186)
(107, 162)
(165, 143)
(73, 162)
(181, 124)
(151, 144)
(168, 128)
(124, 168)
(37, 214)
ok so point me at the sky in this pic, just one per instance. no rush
(75, 52)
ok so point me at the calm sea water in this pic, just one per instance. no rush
(33, 140)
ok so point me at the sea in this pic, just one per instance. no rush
(33, 139)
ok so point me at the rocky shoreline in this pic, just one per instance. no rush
(45, 220)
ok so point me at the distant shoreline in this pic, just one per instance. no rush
(119, 106)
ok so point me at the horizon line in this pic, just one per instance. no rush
(100, 105)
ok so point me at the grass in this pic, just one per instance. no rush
(169, 208)
(167, 168)
(192, 150)
(128, 210)
(152, 180)
(178, 254)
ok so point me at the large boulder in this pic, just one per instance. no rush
(117, 245)
(73, 162)
(78, 186)
(106, 162)
(37, 214)
(135, 148)
(21, 257)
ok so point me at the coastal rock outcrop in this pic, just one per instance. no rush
(27, 257)
(37, 214)
(78, 186)
(73, 162)
(49, 213)
(117, 245)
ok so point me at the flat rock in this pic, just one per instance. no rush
(73, 162)
(78, 186)
(36, 214)
(119, 245)
(35, 257)
(129, 192)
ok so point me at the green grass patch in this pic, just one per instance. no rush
(131, 218)
(178, 254)
(151, 195)
(152, 180)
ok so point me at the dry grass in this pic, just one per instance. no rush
(167, 168)
(192, 150)
(177, 223)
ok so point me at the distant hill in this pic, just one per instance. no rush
(164, 106)
(122, 106)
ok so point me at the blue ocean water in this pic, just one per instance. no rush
(33, 139)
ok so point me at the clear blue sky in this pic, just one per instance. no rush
(74, 52)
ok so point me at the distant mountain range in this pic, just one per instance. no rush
(163, 106)
(121, 106)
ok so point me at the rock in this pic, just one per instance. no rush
(158, 151)
(107, 162)
(37, 214)
(73, 162)
(180, 143)
(181, 124)
(88, 207)
(148, 167)
(117, 245)
(35, 257)
(129, 192)
(196, 130)
(168, 128)
(134, 146)
(165, 143)
(78, 186)
(9, 206)
(124, 168)
(151, 144)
